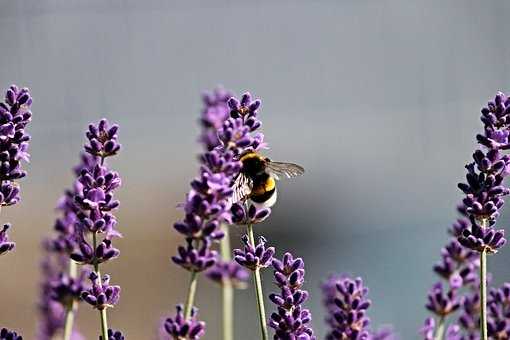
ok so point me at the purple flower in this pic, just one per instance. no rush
(214, 113)
(65, 289)
(443, 303)
(459, 269)
(179, 328)
(251, 214)
(6, 334)
(482, 238)
(113, 335)
(5, 244)
(291, 319)
(85, 254)
(193, 259)
(484, 188)
(229, 271)
(101, 295)
(469, 318)
(9, 193)
(15, 115)
(253, 257)
(429, 329)
(346, 303)
(498, 326)
(103, 139)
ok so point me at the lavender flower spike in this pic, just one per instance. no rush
(96, 221)
(485, 189)
(182, 328)
(291, 320)
(15, 115)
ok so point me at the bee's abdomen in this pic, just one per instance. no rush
(264, 189)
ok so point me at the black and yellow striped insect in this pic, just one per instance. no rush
(257, 179)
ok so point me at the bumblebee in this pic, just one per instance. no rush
(258, 176)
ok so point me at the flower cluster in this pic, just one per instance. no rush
(291, 321)
(214, 113)
(6, 334)
(229, 271)
(458, 268)
(61, 285)
(498, 326)
(254, 257)
(102, 139)
(484, 188)
(101, 294)
(208, 203)
(346, 303)
(15, 115)
(180, 328)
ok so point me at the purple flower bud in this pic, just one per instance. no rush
(5, 244)
(253, 257)
(101, 295)
(179, 328)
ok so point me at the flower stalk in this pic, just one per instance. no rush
(71, 305)
(102, 311)
(191, 295)
(258, 290)
(227, 290)
(483, 295)
(440, 329)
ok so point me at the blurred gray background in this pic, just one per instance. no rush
(378, 100)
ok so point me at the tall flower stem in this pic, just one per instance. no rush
(191, 295)
(102, 312)
(227, 291)
(258, 290)
(71, 306)
(483, 295)
(440, 329)
(483, 289)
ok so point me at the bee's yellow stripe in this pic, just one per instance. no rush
(270, 184)
(250, 155)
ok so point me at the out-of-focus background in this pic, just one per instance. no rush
(378, 100)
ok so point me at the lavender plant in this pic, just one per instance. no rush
(291, 321)
(458, 288)
(15, 115)
(226, 272)
(95, 201)
(63, 281)
(346, 302)
(484, 191)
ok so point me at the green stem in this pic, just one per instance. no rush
(483, 295)
(102, 312)
(71, 305)
(440, 329)
(191, 295)
(227, 291)
(258, 290)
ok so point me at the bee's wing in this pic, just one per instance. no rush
(280, 169)
(242, 188)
